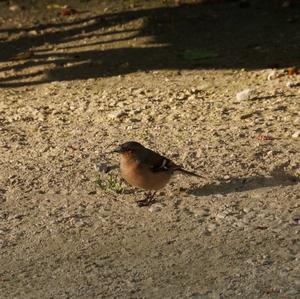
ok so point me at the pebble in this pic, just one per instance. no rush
(14, 8)
(201, 212)
(297, 121)
(289, 84)
(246, 115)
(157, 207)
(220, 216)
(33, 33)
(296, 134)
(101, 167)
(117, 114)
(199, 153)
(297, 282)
(272, 75)
(296, 218)
(246, 210)
(244, 95)
(211, 227)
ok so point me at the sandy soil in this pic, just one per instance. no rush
(74, 84)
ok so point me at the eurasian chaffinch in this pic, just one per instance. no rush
(146, 169)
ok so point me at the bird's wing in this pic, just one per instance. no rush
(156, 162)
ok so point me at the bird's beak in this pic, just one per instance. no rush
(118, 149)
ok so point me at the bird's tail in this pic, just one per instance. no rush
(188, 172)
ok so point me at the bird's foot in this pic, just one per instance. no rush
(147, 201)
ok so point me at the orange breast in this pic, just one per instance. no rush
(142, 176)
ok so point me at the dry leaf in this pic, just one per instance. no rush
(68, 12)
(292, 71)
(264, 137)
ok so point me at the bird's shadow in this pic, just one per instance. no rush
(242, 184)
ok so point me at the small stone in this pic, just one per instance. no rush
(296, 134)
(292, 84)
(103, 167)
(33, 33)
(246, 210)
(297, 121)
(246, 115)
(220, 216)
(117, 114)
(199, 153)
(297, 282)
(211, 227)
(244, 95)
(14, 8)
(239, 224)
(272, 75)
(201, 212)
(157, 207)
(134, 119)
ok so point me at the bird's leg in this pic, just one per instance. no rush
(147, 201)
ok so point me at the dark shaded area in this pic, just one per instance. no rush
(245, 184)
(261, 35)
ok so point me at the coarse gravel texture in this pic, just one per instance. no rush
(113, 73)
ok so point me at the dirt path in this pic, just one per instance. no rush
(72, 87)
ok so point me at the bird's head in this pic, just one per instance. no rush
(132, 147)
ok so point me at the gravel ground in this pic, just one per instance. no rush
(74, 86)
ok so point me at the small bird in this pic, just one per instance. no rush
(146, 169)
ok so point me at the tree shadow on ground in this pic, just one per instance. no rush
(262, 35)
(245, 184)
